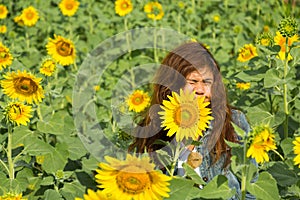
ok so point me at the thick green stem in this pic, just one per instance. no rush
(244, 175)
(285, 92)
(155, 44)
(11, 173)
(127, 37)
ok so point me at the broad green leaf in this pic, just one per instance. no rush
(272, 78)
(72, 190)
(190, 172)
(52, 194)
(181, 188)
(287, 146)
(283, 175)
(217, 188)
(19, 135)
(264, 188)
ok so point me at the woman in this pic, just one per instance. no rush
(191, 67)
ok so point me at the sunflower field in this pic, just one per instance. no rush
(75, 78)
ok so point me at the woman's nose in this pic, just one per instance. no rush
(199, 88)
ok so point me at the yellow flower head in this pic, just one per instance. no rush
(3, 29)
(186, 115)
(154, 10)
(265, 39)
(138, 101)
(19, 20)
(68, 7)
(18, 113)
(280, 40)
(62, 50)
(247, 53)
(216, 18)
(48, 67)
(11, 196)
(29, 16)
(23, 86)
(296, 148)
(5, 57)
(243, 86)
(3, 11)
(123, 7)
(262, 142)
(133, 178)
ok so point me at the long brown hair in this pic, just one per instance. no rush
(170, 77)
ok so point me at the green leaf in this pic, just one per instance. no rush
(287, 146)
(190, 172)
(272, 78)
(217, 188)
(265, 187)
(238, 130)
(181, 188)
(52, 194)
(283, 175)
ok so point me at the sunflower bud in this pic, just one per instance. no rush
(288, 27)
(265, 39)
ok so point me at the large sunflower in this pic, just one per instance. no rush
(5, 57)
(68, 7)
(123, 7)
(30, 16)
(154, 10)
(3, 11)
(132, 179)
(186, 115)
(23, 86)
(138, 101)
(262, 142)
(296, 148)
(48, 67)
(62, 50)
(18, 113)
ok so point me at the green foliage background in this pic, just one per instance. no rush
(67, 168)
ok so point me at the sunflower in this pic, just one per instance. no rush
(123, 7)
(48, 67)
(62, 50)
(243, 86)
(138, 101)
(5, 57)
(23, 86)
(185, 115)
(247, 53)
(19, 20)
(262, 143)
(69, 7)
(11, 196)
(30, 16)
(3, 11)
(132, 179)
(296, 142)
(3, 29)
(280, 40)
(18, 113)
(154, 10)
(98, 195)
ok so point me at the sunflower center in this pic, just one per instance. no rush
(137, 99)
(64, 48)
(3, 54)
(29, 15)
(25, 86)
(186, 115)
(69, 6)
(131, 182)
(124, 6)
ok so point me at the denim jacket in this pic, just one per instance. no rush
(207, 171)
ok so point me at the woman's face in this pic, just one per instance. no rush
(200, 82)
